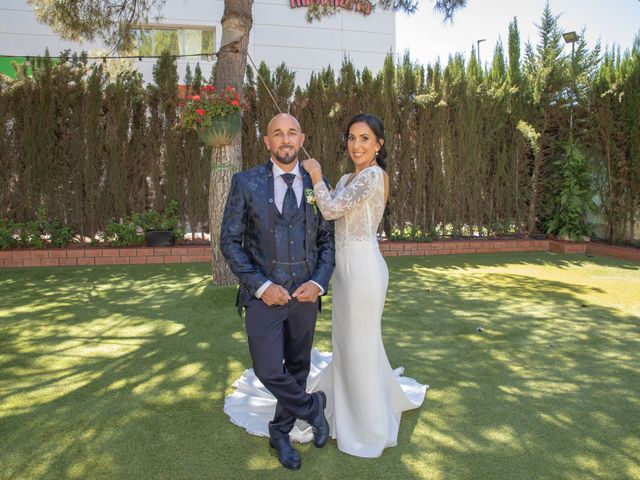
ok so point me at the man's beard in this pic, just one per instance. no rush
(287, 158)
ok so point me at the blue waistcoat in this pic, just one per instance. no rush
(290, 266)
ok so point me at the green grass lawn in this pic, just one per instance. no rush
(121, 373)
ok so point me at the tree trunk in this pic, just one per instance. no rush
(230, 70)
(225, 162)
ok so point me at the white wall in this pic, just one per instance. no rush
(280, 34)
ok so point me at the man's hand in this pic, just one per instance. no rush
(307, 292)
(275, 295)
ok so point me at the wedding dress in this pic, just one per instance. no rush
(365, 397)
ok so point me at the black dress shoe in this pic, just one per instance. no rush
(319, 423)
(287, 455)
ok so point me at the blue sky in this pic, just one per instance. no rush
(427, 37)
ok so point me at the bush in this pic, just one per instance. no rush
(410, 233)
(43, 232)
(59, 235)
(167, 220)
(575, 195)
(122, 234)
(30, 234)
(7, 238)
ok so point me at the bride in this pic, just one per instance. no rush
(365, 397)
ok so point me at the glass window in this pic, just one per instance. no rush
(179, 41)
(144, 41)
(165, 40)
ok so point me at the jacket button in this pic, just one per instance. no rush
(271, 200)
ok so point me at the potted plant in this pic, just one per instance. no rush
(214, 115)
(161, 229)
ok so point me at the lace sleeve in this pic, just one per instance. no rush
(346, 199)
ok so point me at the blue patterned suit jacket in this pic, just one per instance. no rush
(247, 234)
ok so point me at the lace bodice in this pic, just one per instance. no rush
(357, 207)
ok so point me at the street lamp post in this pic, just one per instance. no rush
(478, 52)
(572, 38)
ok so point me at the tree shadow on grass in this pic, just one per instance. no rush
(548, 387)
(121, 372)
(115, 372)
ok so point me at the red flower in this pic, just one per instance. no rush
(196, 97)
(180, 104)
(200, 111)
(235, 103)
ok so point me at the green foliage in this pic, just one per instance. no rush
(447, 8)
(410, 233)
(530, 135)
(123, 233)
(59, 235)
(575, 195)
(471, 150)
(129, 230)
(7, 236)
(30, 234)
(40, 232)
(112, 21)
(167, 220)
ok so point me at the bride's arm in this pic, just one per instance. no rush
(348, 198)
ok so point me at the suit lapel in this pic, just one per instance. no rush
(308, 212)
(271, 211)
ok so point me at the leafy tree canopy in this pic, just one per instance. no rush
(113, 20)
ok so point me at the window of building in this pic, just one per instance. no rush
(178, 40)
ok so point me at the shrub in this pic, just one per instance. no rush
(575, 195)
(7, 237)
(123, 233)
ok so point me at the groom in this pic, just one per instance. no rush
(282, 252)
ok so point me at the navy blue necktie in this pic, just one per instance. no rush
(290, 204)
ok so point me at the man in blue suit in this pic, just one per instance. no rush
(282, 251)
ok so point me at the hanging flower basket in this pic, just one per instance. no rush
(221, 131)
(213, 114)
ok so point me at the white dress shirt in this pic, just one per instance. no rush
(279, 191)
(280, 186)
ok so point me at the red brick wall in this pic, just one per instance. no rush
(104, 256)
(202, 253)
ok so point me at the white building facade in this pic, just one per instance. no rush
(280, 34)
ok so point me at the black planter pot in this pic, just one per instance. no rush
(159, 238)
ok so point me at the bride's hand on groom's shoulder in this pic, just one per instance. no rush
(311, 165)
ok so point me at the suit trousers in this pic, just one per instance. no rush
(280, 341)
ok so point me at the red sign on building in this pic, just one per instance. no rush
(362, 6)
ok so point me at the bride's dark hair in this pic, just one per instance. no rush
(377, 127)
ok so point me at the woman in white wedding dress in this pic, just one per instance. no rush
(365, 397)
